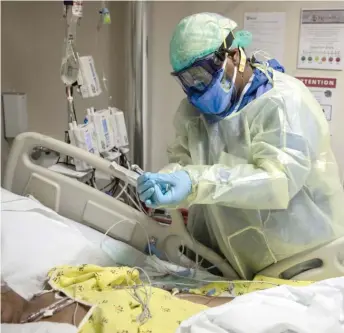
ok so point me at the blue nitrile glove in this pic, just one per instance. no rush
(145, 187)
(158, 189)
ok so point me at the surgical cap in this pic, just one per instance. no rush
(199, 35)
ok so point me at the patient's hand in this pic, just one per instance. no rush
(12, 306)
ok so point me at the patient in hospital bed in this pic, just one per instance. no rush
(34, 239)
(98, 297)
(16, 309)
(87, 296)
(56, 265)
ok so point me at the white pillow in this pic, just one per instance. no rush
(34, 239)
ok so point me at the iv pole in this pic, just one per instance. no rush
(70, 64)
(72, 12)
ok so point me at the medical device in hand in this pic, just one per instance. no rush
(130, 175)
(137, 169)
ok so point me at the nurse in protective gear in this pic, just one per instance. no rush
(252, 158)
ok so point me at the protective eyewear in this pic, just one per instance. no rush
(199, 76)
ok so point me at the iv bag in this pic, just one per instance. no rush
(69, 66)
(70, 61)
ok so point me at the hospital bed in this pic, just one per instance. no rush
(84, 204)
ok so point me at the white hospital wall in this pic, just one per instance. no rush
(32, 34)
(165, 92)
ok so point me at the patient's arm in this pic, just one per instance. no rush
(14, 308)
(66, 315)
(12, 305)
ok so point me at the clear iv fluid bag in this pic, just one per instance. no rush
(69, 70)
(70, 61)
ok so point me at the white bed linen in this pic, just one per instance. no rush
(34, 239)
(54, 240)
(318, 308)
(91, 234)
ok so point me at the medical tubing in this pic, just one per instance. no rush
(176, 273)
(145, 315)
(124, 188)
(132, 222)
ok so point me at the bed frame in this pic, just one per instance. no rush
(80, 202)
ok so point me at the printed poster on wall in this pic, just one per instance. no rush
(268, 32)
(323, 89)
(321, 41)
